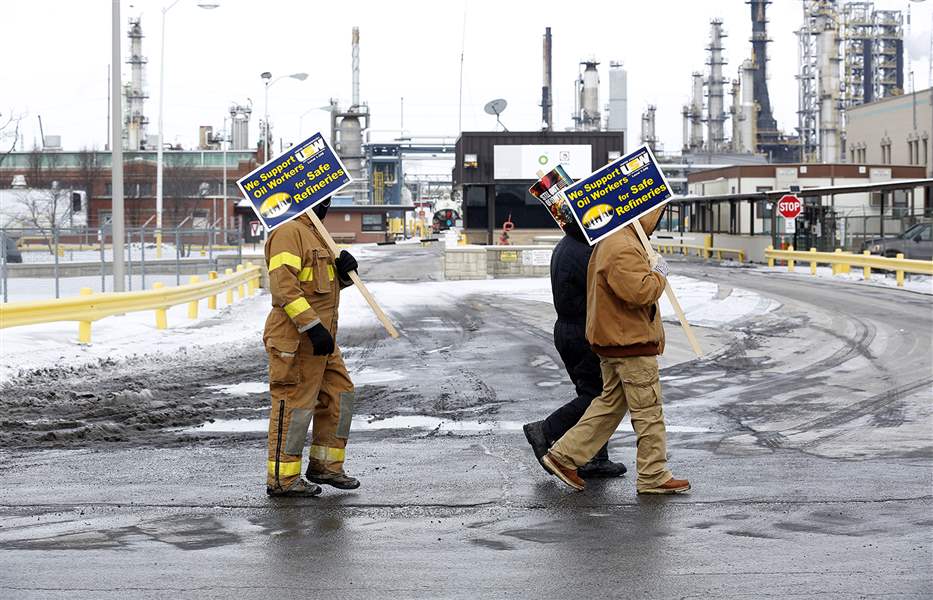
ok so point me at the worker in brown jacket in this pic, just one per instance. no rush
(623, 326)
(307, 377)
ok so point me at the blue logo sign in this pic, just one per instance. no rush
(295, 181)
(617, 194)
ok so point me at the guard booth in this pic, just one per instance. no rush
(493, 171)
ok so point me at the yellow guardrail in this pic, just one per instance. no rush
(707, 250)
(90, 306)
(841, 262)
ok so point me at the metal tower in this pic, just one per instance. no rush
(716, 115)
(134, 92)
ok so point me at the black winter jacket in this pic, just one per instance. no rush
(568, 286)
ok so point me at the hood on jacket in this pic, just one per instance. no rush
(650, 221)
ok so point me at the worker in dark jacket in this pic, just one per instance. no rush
(568, 285)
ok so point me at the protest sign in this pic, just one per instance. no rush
(617, 194)
(608, 200)
(547, 189)
(294, 181)
(291, 184)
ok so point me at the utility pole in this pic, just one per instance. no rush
(116, 154)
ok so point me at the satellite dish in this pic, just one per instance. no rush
(496, 107)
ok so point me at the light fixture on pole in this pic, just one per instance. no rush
(269, 82)
(161, 143)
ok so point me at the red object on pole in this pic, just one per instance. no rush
(790, 206)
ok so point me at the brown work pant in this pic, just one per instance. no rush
(305, 387)
(629, 384)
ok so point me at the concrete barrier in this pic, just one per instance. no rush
(497, 262)
(465, 262)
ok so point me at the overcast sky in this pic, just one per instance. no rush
(55, 55)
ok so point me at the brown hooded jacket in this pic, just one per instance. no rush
(622, 316)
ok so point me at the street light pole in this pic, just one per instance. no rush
(206, 5)
(223, 186)
(116, 154)
(267, 76)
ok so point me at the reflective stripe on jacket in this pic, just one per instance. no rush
(301, 281)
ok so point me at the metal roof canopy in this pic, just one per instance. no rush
(816, 191)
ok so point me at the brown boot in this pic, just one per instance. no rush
(568, 476)
(671, 486)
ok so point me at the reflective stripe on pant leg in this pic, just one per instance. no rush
(327, 455)
(284, 469)
(298, 431)
(347, 400)
(278, 443)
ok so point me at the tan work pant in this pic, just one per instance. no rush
(629, 384)
(305, 387)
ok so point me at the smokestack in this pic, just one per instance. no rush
(716, 113)
(766, 125)
(546, 114)
(356, 68)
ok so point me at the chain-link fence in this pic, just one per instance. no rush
(49, 262)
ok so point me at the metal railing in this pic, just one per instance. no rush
(59, 252)
(90, 306)
(842, 262)
(707, 250)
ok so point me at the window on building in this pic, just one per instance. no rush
(926, 158)
(374, 222)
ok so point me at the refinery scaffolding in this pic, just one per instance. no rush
(134, 92)
(716, 115)
(868, 43)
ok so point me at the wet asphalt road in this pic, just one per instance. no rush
(806, 434)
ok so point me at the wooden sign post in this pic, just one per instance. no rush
(354, 277)
(694, 343)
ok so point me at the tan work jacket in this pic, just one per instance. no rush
(302, 280)
(622, 316)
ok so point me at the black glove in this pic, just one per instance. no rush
(345, 263)
(321, 340)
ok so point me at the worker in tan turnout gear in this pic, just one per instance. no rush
(308, 380)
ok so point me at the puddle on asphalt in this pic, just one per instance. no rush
(361, 377)
(419, 422)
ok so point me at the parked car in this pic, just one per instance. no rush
(916, 242)
(9, 250)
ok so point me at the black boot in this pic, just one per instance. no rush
(298, 489)
(601, 467)
(338, 480)
(534, 433)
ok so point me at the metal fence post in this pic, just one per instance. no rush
(103, 262)
(129, 259)
(55, 251)
(142, 260)
(177, 258)
(6, 284)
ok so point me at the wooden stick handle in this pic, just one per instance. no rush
(691, 337)
(354, 277)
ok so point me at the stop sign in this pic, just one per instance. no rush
(789, 206)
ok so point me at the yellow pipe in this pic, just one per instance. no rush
(899, 274)
(84, 327)
(212, 300)
(240, 288)
(813, 262)
(229, 299)
(837, 268)
(161, 313)
(193, 305)
(771, 258)
(866, 270)
(790, 261)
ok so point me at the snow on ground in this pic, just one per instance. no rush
(912, 282)
(119, 337)
(703, 302)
